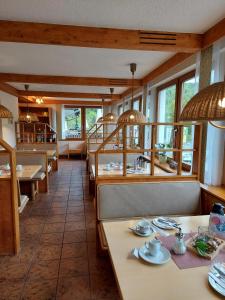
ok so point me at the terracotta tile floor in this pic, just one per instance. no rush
(58, 252)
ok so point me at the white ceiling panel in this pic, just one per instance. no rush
(172, 15)
(76, 61)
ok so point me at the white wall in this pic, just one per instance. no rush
(7, 127)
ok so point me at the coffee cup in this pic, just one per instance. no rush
(19, 167)
(143, 226)
(153, 246)
(7, 167)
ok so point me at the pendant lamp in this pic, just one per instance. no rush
(110, 117)
(101, 119)
(206, 105)
(28, 117)
(132, 116)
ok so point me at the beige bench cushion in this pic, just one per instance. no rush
(147, 199)
(39, 176)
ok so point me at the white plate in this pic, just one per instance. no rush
(162, 225)
(162, 258)
(215, 286)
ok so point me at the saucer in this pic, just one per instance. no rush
(162, 258)
(148, 233)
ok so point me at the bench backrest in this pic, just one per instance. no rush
(147, 199)
(33, 158)
(37, 146)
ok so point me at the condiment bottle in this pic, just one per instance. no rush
(179, 246)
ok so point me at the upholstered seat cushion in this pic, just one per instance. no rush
(39, 176)
(148, 199)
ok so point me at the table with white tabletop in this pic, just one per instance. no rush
(28, 172)
(138, 280)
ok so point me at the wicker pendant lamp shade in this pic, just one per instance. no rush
(132, 116)
(110, 117)
(207, 105)
(5, 113)
(100, 120)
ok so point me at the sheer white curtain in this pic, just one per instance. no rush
(215, 136)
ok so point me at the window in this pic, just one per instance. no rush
(91, 115)
(72, 123)
(188, 89)
(166, 113)
(120, 109)
(171, 99)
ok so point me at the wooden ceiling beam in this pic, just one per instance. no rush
(93, 37)
(5, 87)
(77, 102)
(163, 68)
(69, 95)
(68, 80)
(213, 34)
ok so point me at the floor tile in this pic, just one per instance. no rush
(72, 226)
(53, 227)
(73, 267)
(77, 288)
(74, 218)
(74, 250)
(48, 252)
(52, 238)
(74, 236)
(44, 270)
(11, 290)
(40, 290)
(14, 271)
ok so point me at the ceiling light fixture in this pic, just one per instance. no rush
(132, 116)
(110, 117)
(207, 105)
(39, 100)
(28, 117)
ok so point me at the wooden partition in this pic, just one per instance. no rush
(132, 142)
(9, 215)
(97, 134)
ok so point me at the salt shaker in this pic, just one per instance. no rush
(179, 246)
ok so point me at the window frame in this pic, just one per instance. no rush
(178, 82)
(83, 120)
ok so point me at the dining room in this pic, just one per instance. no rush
(112, 150)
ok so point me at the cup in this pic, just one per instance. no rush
(7, 167)
(108, 167)
(153, 246)
(143, 226)
(19, 167)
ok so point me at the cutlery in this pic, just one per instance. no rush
(160, 231)
(176, 225)
(217, 275)
(217, 280)
(220, 271)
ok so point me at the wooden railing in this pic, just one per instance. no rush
(98, 133)
(9, 215)
(35, 133)
(132, 139)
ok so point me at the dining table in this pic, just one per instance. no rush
(26, 173)
(140, 280)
